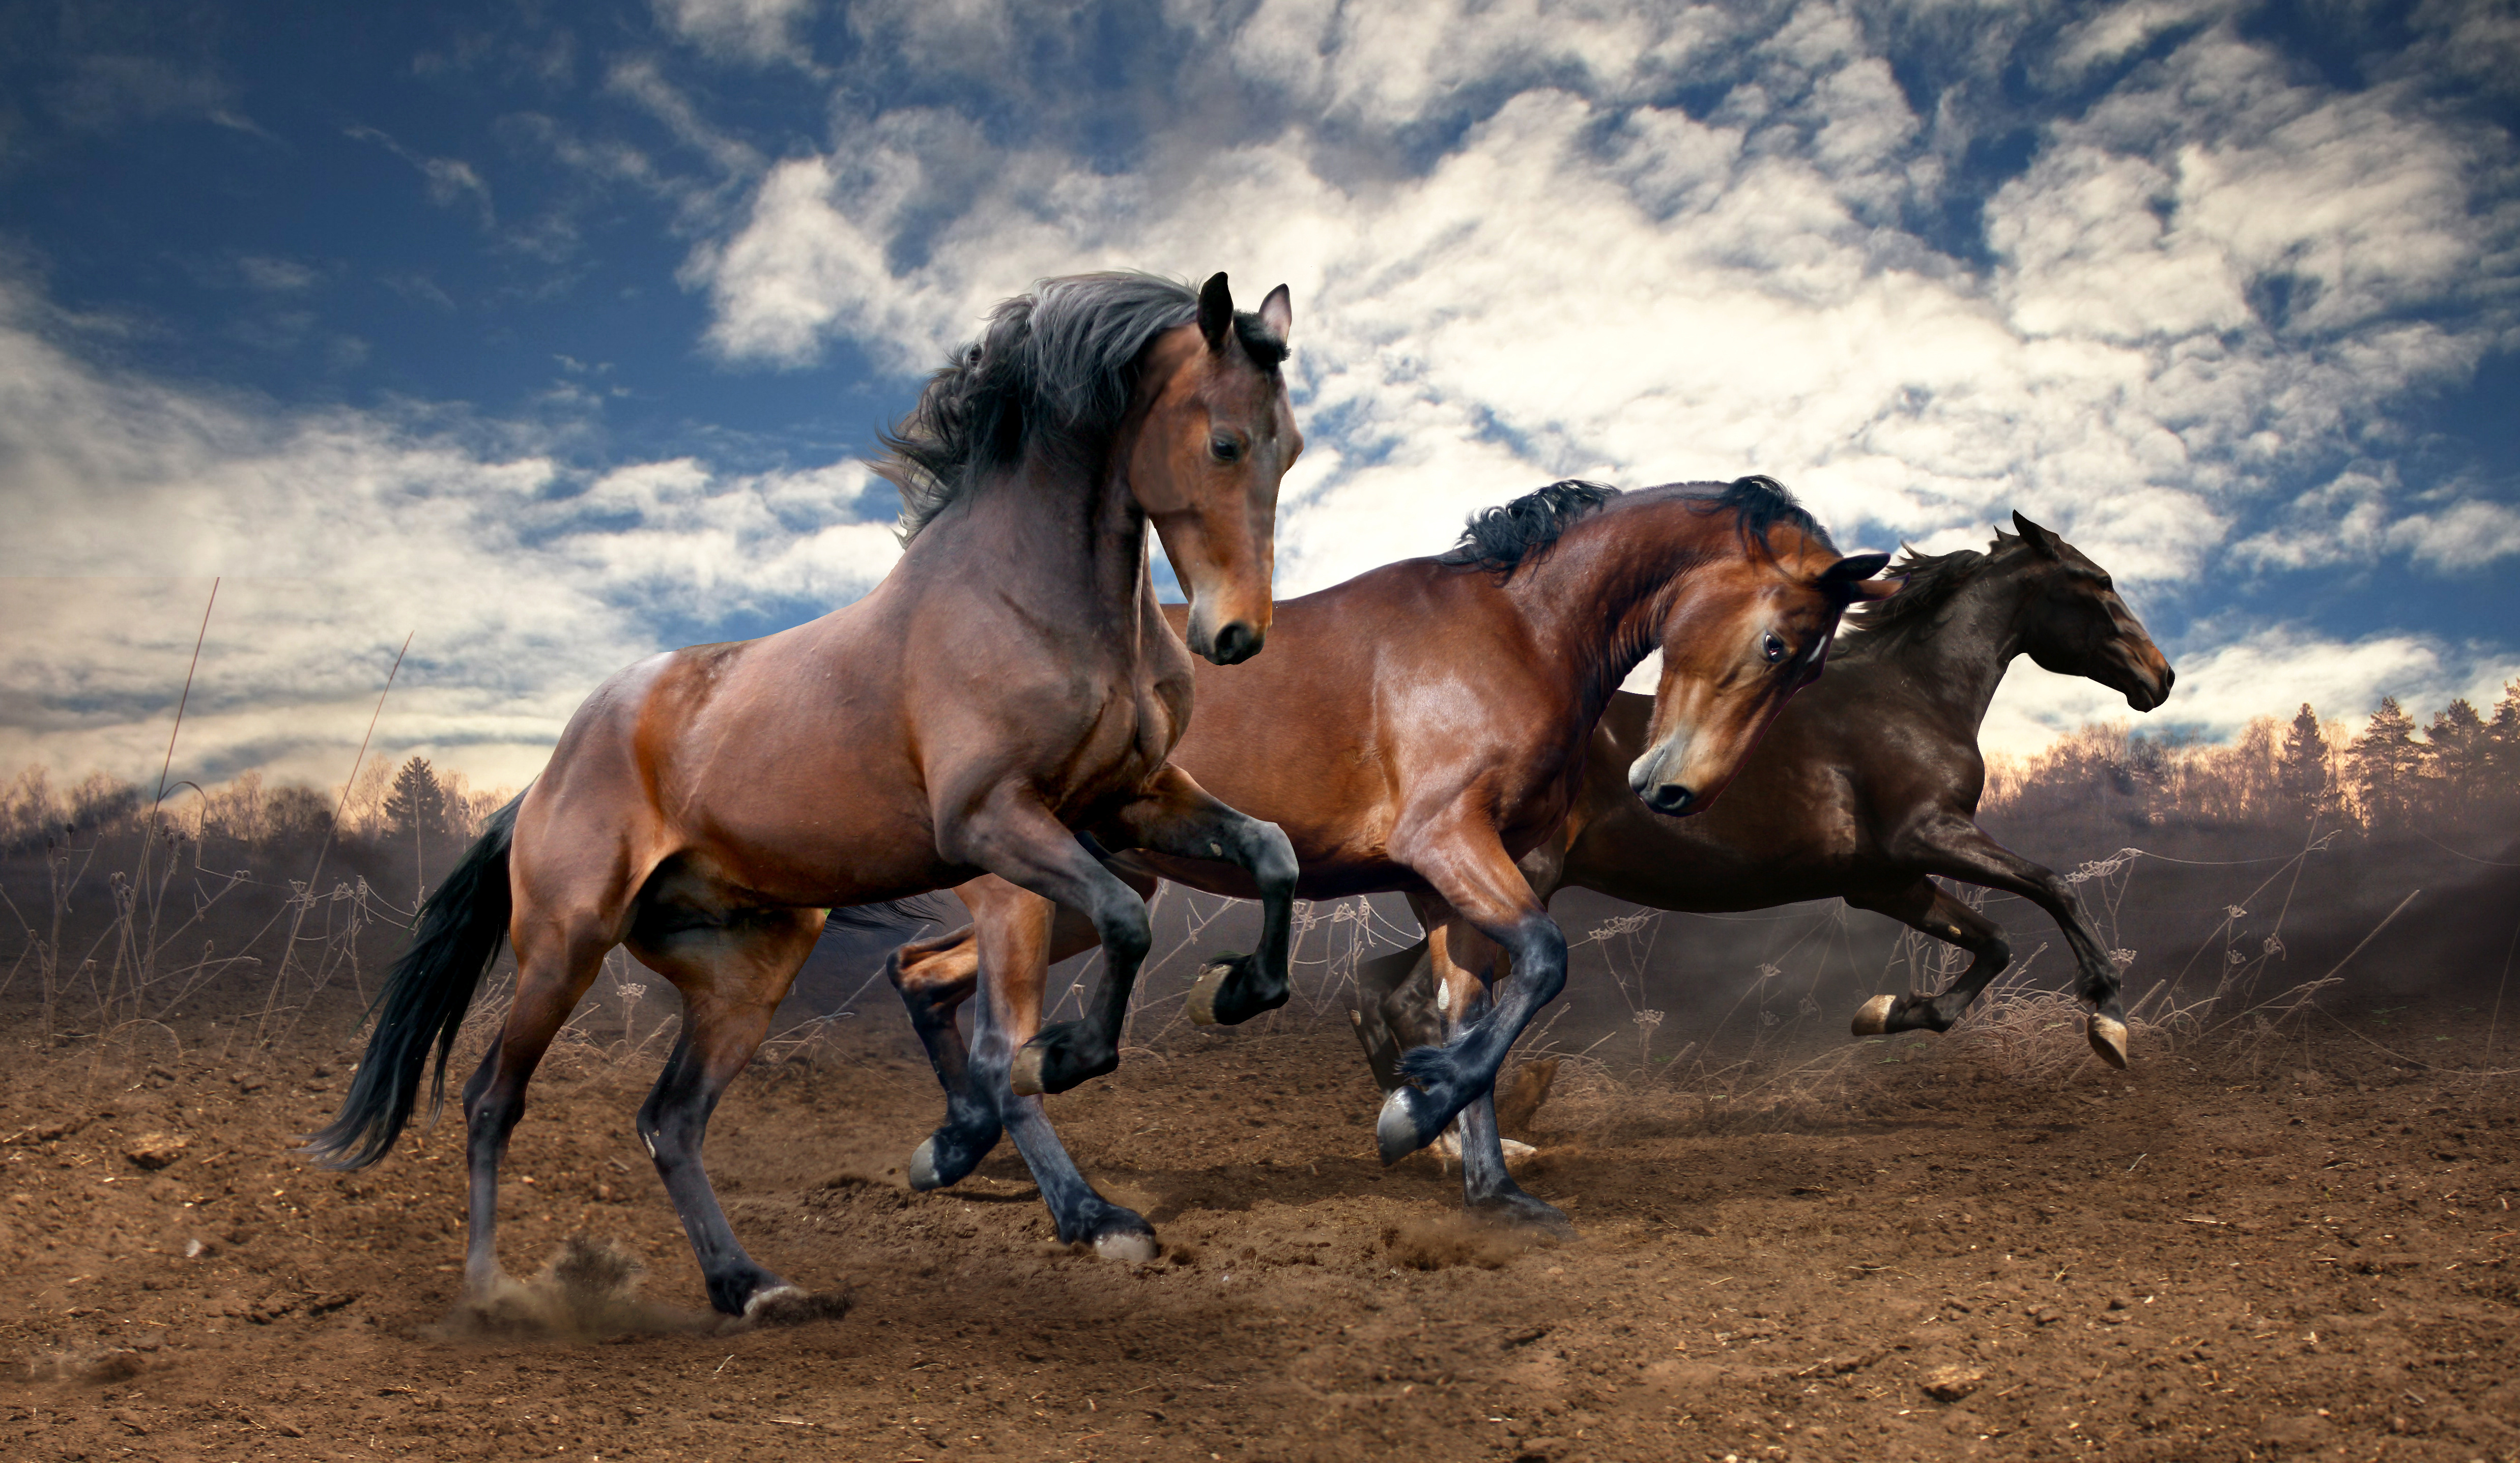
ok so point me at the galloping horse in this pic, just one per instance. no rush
(1009, 685)
(1417, 729)
(1866, 787)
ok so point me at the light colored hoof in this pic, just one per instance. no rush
(1396, 1133)
(2108, 1037)
(1873, 1020)
(1024, 1077)
(1516, 1151)
(1201, 1005)
(771, 1297)
(1448, 1143)
(1128, 1248)
(922, 1166)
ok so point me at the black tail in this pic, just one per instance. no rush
(461, 929)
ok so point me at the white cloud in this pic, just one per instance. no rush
(1581, 283)
(338, 533)
(756, 30)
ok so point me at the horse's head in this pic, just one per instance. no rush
(2073, 623)
(1747, 628)
(1215, 437)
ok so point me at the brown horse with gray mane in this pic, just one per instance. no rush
(1417, 729)
(1010, 690)
(1865, 788)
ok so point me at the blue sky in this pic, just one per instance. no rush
(555, 333)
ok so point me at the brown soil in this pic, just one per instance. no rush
(2301, 1247)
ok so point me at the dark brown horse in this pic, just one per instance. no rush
(1865, 788)
(1417, 729)
(1009, 686)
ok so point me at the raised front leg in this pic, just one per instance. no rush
(1925, 907)
(1021, 842)
(1464, 862)
(1959, 848)
(1179, 817)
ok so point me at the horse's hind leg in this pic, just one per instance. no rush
(1959, 848)
(731, 978)
(555, 965)
(1932, 910)
(933, 978)
(1016, 929)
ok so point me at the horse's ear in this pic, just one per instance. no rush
(1851, 577)
(1278, 313)
(1216, 311)
(2039, 538)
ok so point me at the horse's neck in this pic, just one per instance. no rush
(1960, 658)
(1069, 542)
(1594, 610)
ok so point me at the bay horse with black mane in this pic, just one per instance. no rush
(1008, 686)
(1866, 789)
(1417, 729)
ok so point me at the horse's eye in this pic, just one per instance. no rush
(1771, 647)
(1224, 449)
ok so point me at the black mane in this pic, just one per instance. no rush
(1060, 359)
(1501, 539)
(1928, 582)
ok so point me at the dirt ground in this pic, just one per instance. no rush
(2298, 1248)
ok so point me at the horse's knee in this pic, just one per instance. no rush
(1126, 932)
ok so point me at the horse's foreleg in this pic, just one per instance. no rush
(555, 966)
(1179, 817)
(1934, 912)
(1463, 966)
(1016, 932)
(1021, 842)
(1959, 849)
(1465, 864)
(732, 980)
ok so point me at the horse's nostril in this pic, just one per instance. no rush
(1235, 644)
(1671, 799)
(2169, 678)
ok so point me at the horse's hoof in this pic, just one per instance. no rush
(1024, 1076)
(1402, 1129)
(2108, 1036)
(1519, 1210)
(1873, 1020)
(1210, 984)
(793, 1305)
(1128, 1247)
(922, 1167)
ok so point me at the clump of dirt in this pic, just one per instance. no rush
(587, 1291)
(1440, 1241)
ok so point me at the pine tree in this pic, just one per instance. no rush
(2502, 736)
(2386, 765)
(418, 803)
(2458, 762)
(2301, 770)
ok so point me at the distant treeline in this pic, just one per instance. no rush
(2458, 774)
(382, 803)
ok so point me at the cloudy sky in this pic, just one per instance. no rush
(549, 335)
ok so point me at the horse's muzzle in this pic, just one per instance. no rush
(1237, 642)
(1669, 799)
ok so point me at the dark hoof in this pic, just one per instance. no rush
(1409, 1123)
(1873, 1020)
(1057, 1060)
(947, 1157)
(1232, 991)
(1518, 1210)
(791, 1306)
(2108, 1037)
